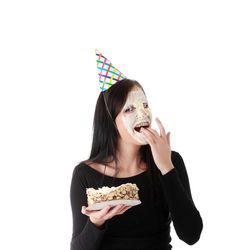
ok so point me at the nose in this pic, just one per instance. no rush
(141, 113)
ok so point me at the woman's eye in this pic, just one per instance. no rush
(129, 109)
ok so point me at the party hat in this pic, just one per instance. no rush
(108, 73)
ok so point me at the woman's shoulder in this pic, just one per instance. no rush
(174, 155)
(81, 168)
(177, 160)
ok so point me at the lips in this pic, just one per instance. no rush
(138, 127)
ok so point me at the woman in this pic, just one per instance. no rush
(121, 154)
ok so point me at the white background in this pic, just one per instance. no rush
(191, 57)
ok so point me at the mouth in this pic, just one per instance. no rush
(138, 127)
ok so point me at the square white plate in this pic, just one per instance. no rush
(100, 205)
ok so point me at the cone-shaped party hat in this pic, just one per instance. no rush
(108, 73)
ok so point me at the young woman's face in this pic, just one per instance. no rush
(134, 111)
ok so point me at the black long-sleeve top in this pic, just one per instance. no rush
(135, 228)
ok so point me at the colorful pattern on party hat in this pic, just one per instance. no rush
(108, 73)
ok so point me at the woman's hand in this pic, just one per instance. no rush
(160, 146)
(99, 217)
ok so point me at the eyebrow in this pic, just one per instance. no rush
(128, 105)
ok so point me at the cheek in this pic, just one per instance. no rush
(125, 126)
(149, 113)
(128, 122)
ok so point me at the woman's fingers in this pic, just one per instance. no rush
(148, 135)
(98, 213)
(162, 129)
(168, 138)
(114, 211)
(107, 212)
(152, 131)
(84, 211)
(103, 212)
(124, 209)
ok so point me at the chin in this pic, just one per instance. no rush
(139, 139)
(141, 142)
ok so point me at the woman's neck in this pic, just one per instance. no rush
(128, 156)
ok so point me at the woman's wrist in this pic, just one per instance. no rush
(98, 223)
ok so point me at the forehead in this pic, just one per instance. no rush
(136, 95)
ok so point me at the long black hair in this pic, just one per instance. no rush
(106, 134)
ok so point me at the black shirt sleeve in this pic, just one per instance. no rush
(186, 218)
(85, 236)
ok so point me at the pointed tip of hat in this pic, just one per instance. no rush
(107, 72)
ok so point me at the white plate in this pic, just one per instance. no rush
(99, 206)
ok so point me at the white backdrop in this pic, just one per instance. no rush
(191, 57)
